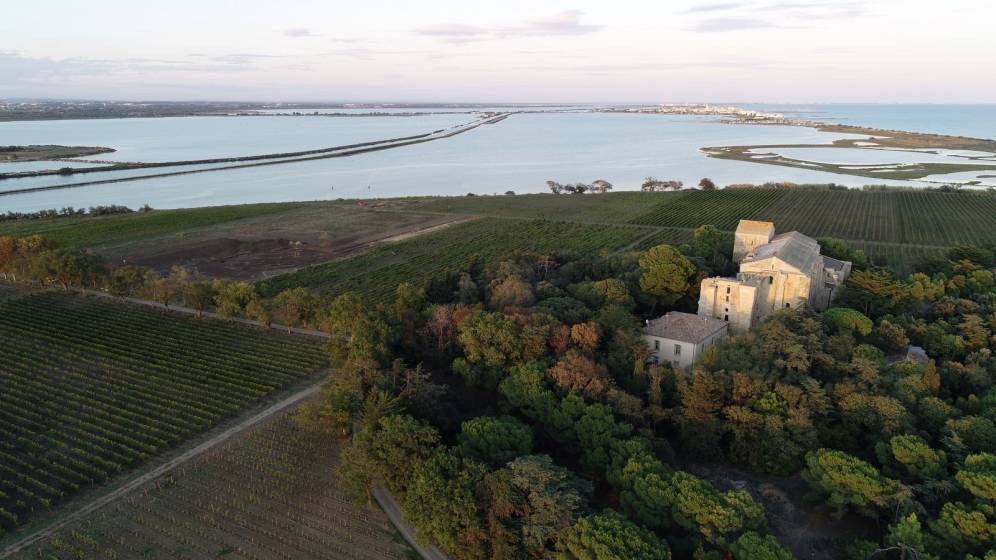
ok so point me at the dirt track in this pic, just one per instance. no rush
(384, 498)
(140, 479)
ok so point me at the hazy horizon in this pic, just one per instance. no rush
(793, 51)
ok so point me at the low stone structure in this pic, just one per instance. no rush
(680, 338)
(910, 353)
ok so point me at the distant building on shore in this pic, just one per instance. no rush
(680, 338)
(776, 272)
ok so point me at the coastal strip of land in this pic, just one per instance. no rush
(877, 140)
(43, 152)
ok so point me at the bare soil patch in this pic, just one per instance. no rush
(266, 246)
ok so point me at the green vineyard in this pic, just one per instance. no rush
(662, 236)
(272, 490)
(719, 208)
(933, 218)
(617, 207)
(90, 388)
(377, 273)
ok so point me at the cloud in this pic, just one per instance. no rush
(718, 7)
(242, 59)
(563, 23)
(739, 16)
(816, 10)
(726, 62)
(453, 30)
(718, 24)
(16, 67)
(299, 32)
(369, 53)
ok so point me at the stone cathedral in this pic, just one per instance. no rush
(776, 272)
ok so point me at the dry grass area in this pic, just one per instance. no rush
(263, 246)
(270, 493)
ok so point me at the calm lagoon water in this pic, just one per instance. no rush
(519, 153)
(15, 166)
(976, 121)
(186, 138)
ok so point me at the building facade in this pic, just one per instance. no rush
(776, 272)
(679, 338)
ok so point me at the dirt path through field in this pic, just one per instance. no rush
(425, 230)
(54, 528)
(384, 498)
(390, 506)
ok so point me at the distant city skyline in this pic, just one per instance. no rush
(777, 51)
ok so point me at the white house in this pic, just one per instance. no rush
(680, 338)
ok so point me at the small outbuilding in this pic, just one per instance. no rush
(680, 338)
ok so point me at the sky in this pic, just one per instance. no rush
(625, 51)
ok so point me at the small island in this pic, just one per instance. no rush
(36, 152)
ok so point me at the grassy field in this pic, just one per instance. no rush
(270, 493)
(91, 387)
(377, 273)
(91, 232)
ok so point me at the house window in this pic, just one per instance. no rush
(788, 304)
(726, 318)
(727, 291)
(677, 349)
(727, 299)
(771, 279)
(657, 345)
(676, 364)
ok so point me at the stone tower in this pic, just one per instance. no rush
(751, 235)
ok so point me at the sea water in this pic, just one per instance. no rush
(517, 154)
